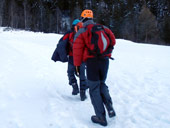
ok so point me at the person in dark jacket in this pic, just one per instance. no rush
(97, 67)
(64, 53)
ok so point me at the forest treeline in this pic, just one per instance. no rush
(137, 20)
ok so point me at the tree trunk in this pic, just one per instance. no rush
(146, 36)
(1, 11)
(25, 14)
(12, 13)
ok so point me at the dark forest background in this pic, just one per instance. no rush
(137, 20)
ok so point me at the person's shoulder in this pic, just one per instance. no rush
(81, 30)
(68, 32)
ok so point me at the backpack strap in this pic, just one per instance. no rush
(71, 37)
(96, 51)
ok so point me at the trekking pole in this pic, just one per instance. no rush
(112, 58)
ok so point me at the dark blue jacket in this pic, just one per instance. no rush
(62, 49)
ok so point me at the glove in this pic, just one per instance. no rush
(77, 71)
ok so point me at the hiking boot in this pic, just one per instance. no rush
(111, 113)
(75, 89)
(83, 94)
(101, 121)
(110, 110)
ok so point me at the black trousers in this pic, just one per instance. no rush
(71, 74)
(97, 69)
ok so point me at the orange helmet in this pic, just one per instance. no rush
(87, 14)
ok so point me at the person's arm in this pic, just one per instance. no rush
(78, 48)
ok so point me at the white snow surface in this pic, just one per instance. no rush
(34, 90)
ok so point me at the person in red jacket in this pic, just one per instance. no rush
(68, 39)
(97, 66)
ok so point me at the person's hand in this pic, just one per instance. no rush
(77, 71)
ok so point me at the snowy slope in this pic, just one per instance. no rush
(34, 91)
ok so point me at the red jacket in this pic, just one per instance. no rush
(69, 36)
(82, 41)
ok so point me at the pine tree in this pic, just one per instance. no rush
(147, 27)
(1, 11)
(165, 25)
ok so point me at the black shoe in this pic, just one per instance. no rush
(110, 110)
(111, 113)
(83, 95)
(75, 89)
(101, 121)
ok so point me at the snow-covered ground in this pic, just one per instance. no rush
(34, 91)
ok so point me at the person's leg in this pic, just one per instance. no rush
(96, 99)
(94, 90)
(83, 79)
(83, 82)
(72, 78)
(104, 65)
(105, 93)
(107, 99)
